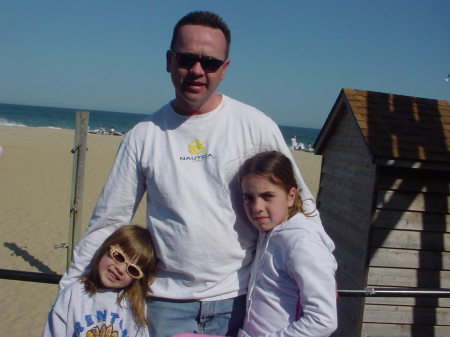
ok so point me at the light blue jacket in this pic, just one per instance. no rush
(292, 289)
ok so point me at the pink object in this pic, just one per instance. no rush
(192, 335)
(1, 150)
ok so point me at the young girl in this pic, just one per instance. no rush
(292, 289)
(109, 300)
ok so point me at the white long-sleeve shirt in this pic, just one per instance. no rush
(187, 167)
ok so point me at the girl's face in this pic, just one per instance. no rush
(112, 274)
(266, 204)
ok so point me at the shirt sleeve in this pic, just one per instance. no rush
(116, 206)
(56, 324)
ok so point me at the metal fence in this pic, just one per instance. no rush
(366, 292)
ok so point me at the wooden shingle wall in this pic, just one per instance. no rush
(410, 247)
(345, 202)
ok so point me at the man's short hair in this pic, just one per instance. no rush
(207, 19)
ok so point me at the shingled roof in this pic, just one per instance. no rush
(395, 126)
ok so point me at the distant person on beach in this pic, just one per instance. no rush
(112, 130)
(292, 288)
(109, 299)
(294, 143)
(176, 156)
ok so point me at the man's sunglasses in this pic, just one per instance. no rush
(209, 64)
(119, 258)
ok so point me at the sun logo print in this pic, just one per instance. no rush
(105, 331)
(196, 147)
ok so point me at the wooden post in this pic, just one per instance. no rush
(79, 161)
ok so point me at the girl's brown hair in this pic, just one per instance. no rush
(276, 168)
(134, 241)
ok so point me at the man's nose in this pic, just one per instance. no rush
(197, 68)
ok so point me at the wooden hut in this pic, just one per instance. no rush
(384, 200)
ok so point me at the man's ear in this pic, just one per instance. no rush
(224, 68)
(168, 60)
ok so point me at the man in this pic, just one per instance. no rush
(185, 157)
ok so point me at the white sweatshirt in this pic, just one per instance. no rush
(292, 289)
(187, 166)
(75, 313)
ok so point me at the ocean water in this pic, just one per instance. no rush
(64, 118)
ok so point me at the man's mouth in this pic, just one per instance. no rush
(194, 84)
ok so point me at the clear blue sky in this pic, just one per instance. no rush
(290, 59)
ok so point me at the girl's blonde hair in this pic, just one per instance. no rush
(134, 241)
(276, 168)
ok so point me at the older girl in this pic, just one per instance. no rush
(292, 289)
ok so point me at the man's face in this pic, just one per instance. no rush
(195, 89)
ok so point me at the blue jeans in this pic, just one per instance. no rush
(169, 317)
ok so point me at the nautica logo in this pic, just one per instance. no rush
(197, 148)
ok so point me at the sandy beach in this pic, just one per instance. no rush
(35, 188)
